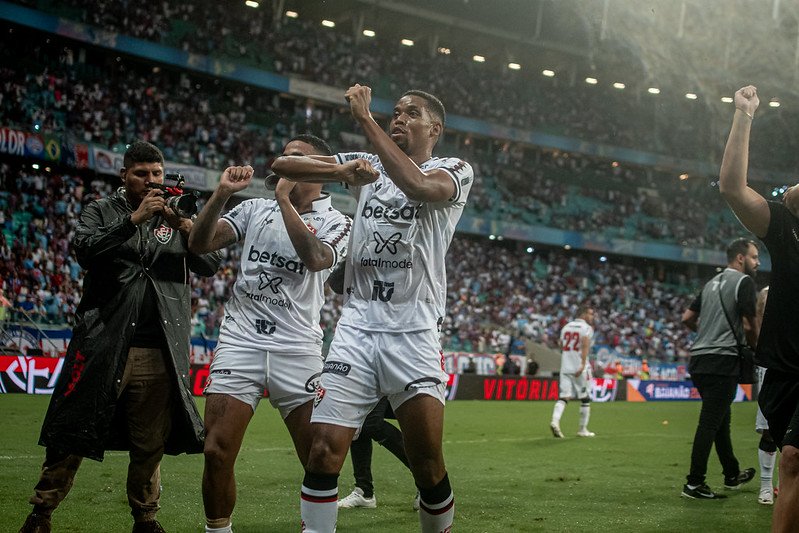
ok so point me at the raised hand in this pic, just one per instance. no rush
(152, 204)
(746, 100)
(235, 179)
(359, 97)
(284, 188)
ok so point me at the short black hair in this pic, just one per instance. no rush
(319, 144)
(434, 105)
(739, 246)
(142, 152)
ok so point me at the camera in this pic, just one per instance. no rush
(183, 204)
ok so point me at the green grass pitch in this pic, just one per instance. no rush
(509, 474)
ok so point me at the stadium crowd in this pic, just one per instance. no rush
(335, 57)
(495, 289)
(215, 124)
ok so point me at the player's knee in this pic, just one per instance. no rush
(789, 462)
(427, 471)
(216, 453)
(324, 457)
(767, 443)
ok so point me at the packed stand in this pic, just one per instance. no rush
(336, 57)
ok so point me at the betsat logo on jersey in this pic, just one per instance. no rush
(406, 212)
(275, 260)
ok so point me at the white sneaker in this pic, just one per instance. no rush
(586, 433)
(766, 496)
(556, 432)
(416, 501)
(357, 499)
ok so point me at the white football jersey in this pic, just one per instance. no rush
(276, 300)
(571, 341)
(396, 276)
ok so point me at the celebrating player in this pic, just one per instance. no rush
(270, 339)
(777, 225)
(387, 340)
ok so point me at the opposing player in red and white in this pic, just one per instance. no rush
(387, 340)
(575, 372)
(270, 339)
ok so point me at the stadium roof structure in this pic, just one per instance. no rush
(706, 47)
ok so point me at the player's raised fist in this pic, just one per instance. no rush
(235, 179)
(359, 97)
(359, 172)
(746, 99)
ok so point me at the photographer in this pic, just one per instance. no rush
(125, 380)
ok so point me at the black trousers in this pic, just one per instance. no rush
(717, 394)
(385, 434)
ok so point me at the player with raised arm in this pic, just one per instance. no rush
(575, 372)
(387, 340)
(777, 225)
(270, 339)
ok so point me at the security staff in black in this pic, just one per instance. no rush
(728, 299)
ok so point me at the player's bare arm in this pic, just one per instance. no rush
(747, 204)
(323, 169)
(402, 168)
(208, 232)
(585, 347)
(314, 253)
(690, 319)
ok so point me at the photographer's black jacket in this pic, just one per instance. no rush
(120, 259)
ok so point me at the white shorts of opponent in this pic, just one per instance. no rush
(575, 387)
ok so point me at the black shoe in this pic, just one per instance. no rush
(702, 492)
(36, 523)
(744, 476)
(151, 526)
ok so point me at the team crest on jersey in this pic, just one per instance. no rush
(320, 394)
(163, 233)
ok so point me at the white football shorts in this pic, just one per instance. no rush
(364, 366)
(574, 387)
(290, 379)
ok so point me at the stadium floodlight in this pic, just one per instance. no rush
(619, 85)
(251, 3)
(653, 90)
(479, 58)
(548, 73)
(691, 96)
(328, 23)
(774, 103)
(726, 99)
(292, 14)
(407, 42)
(514, 66)
(369, 33)
(444, 50)
(591, 81)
